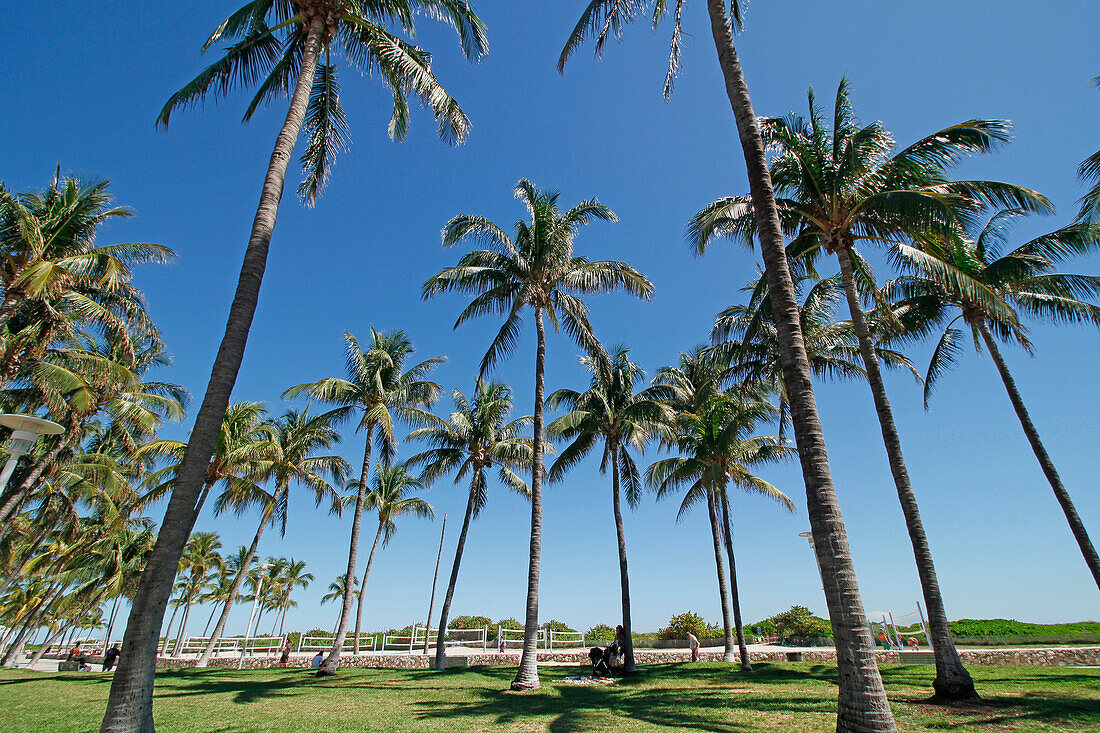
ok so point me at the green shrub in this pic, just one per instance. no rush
(600, 632)
(1012, 627)
(679, 626)
(469, 622)
(558, 626)
(797, 621)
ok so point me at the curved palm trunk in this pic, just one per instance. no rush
(111, 619)
(130, 705)
(435, 581)
(363, 586)
(41, 652)
(15, 498)
(735, 600)
(209, 620)
(527, 677)
(1060, 493)
(242, 572)
(952, 681)
(332, 661)
(624, 577)
(183, 626)
(445, 612)
(723, 591)
(861, 706)
(168, 632)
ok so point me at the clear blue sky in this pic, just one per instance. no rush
(84, 87)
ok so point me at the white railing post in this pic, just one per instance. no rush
(485, 639)
(583, 645)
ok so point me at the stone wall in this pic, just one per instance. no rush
(1049, 657)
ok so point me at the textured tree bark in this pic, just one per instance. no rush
(624, 577)
(1060, 493)
(363, 587)
(130, 705)
(952, 681)
(332, 661)
(242, 572)
(862, 706)
(527, 677)
(445, 612)
(723, 591)
(735, 600)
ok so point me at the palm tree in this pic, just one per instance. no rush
(336, 591)
(389, 498)
(48, 257)
(476, 436)
(862, 704)
(380, 387)
(293, 576)
(849, 186)
(282, 45)
(536, 268)
(1089, 173)
(298, 437)
(200, 560)
(610, 411)
(717, 449)
(1024, 281)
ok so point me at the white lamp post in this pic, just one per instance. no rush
(25, 430)
(252, 615)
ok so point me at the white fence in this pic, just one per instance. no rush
(566, 640)
(513, 638)
(324, 643)
(469, 638)
(264, 646)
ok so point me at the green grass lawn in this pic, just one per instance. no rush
(701, 697)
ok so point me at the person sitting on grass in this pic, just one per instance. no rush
(316, 662)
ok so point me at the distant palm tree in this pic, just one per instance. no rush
(293, 576)
(846, 186)
(380, 387)
(298, 438)
(476, 436)
(536, 269)
(284, 48)
(389, 498)
(1022, 280)
(336, 593)
(611, 412)
(717, 449)
(200, 561)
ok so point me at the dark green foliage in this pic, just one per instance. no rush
(1011, 627)
(600, 632)
(469, 622)
(798, 621)
(559, 626)
(679, 626)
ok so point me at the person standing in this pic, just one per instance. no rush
(109, 658)
(284, 658)
(693, 644)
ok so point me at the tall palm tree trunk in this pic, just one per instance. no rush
(130, 705)
(111, 619)
(1060, 493)
(527, 677)
(15, 498)
(163, 650)
(624, 577)
(435, 581)
(332, 661)
(183, 626)
(723, 590)
(41, 651)
(363, 585)
(952, 681)
(445, 612)
(735, 599)
(862, 706)
(242, 572)
(209, 620)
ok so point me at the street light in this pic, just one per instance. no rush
(255, 602)
(25, 430)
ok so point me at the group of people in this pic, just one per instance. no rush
(78, 655)
(911, 642)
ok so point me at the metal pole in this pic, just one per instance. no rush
(435, 579)
(485, 639)
(924, 626)
(412, 638)
(9, 467)
(255, 602)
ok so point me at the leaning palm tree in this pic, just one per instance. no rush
(611, 412)
(478, 435)
(389, 498)
(847, 186)
(535, 268)
(717, 449)
(381, 388)
(1024, 278)
(862, 704)
(298, 438)
(284, 47)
